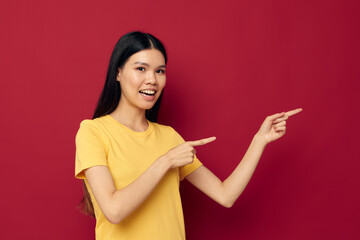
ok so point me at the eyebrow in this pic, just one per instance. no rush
(146, 64)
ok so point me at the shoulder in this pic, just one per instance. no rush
(95, 124)
(88, 127)
(90, 135)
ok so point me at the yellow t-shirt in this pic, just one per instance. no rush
(127, 154)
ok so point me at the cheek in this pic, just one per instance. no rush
(135, 79)
(130, 82)
(162, 83)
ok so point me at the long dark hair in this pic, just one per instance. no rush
(127, 45)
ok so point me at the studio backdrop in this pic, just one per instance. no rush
(231, 63)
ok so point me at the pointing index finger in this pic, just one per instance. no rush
(293, 112)
(202, 141)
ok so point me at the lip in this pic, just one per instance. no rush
(148, 97)
(150, 89)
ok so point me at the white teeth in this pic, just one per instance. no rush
(148, 91)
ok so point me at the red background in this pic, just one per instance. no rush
(231, 63)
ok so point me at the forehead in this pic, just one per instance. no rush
(149, 56)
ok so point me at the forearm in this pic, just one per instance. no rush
(235, 184)
(124, 201)
(226, 193)
(118, 204)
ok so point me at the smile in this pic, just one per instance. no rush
(148, 92)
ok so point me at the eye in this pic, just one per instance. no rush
(162, 71)
(141, 68)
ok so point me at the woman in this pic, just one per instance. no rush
(132, 166)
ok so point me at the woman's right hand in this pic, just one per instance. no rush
(183, 154)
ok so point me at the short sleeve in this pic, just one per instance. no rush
(90, 148)
(187, 169)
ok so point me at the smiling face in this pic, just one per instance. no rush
(142, 79)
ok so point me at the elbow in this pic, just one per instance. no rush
(114, 215)
(113, 218)
(226, 200)
(114, 212)
(226, 203)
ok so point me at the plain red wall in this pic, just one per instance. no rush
(231, 63)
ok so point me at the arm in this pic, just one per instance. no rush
(116, 204)
(227, 192)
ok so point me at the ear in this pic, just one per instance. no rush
(118, 74)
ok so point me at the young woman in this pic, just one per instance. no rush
(132, 166)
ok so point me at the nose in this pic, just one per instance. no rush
(151, 78)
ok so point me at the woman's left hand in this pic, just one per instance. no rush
(274, 126)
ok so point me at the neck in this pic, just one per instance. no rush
(130, 116)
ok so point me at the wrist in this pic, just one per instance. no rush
(260, 140)
(164, 163)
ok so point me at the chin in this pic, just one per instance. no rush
(149, 107)
(146, 106)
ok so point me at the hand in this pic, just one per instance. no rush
(273, 127)
(183, 154)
